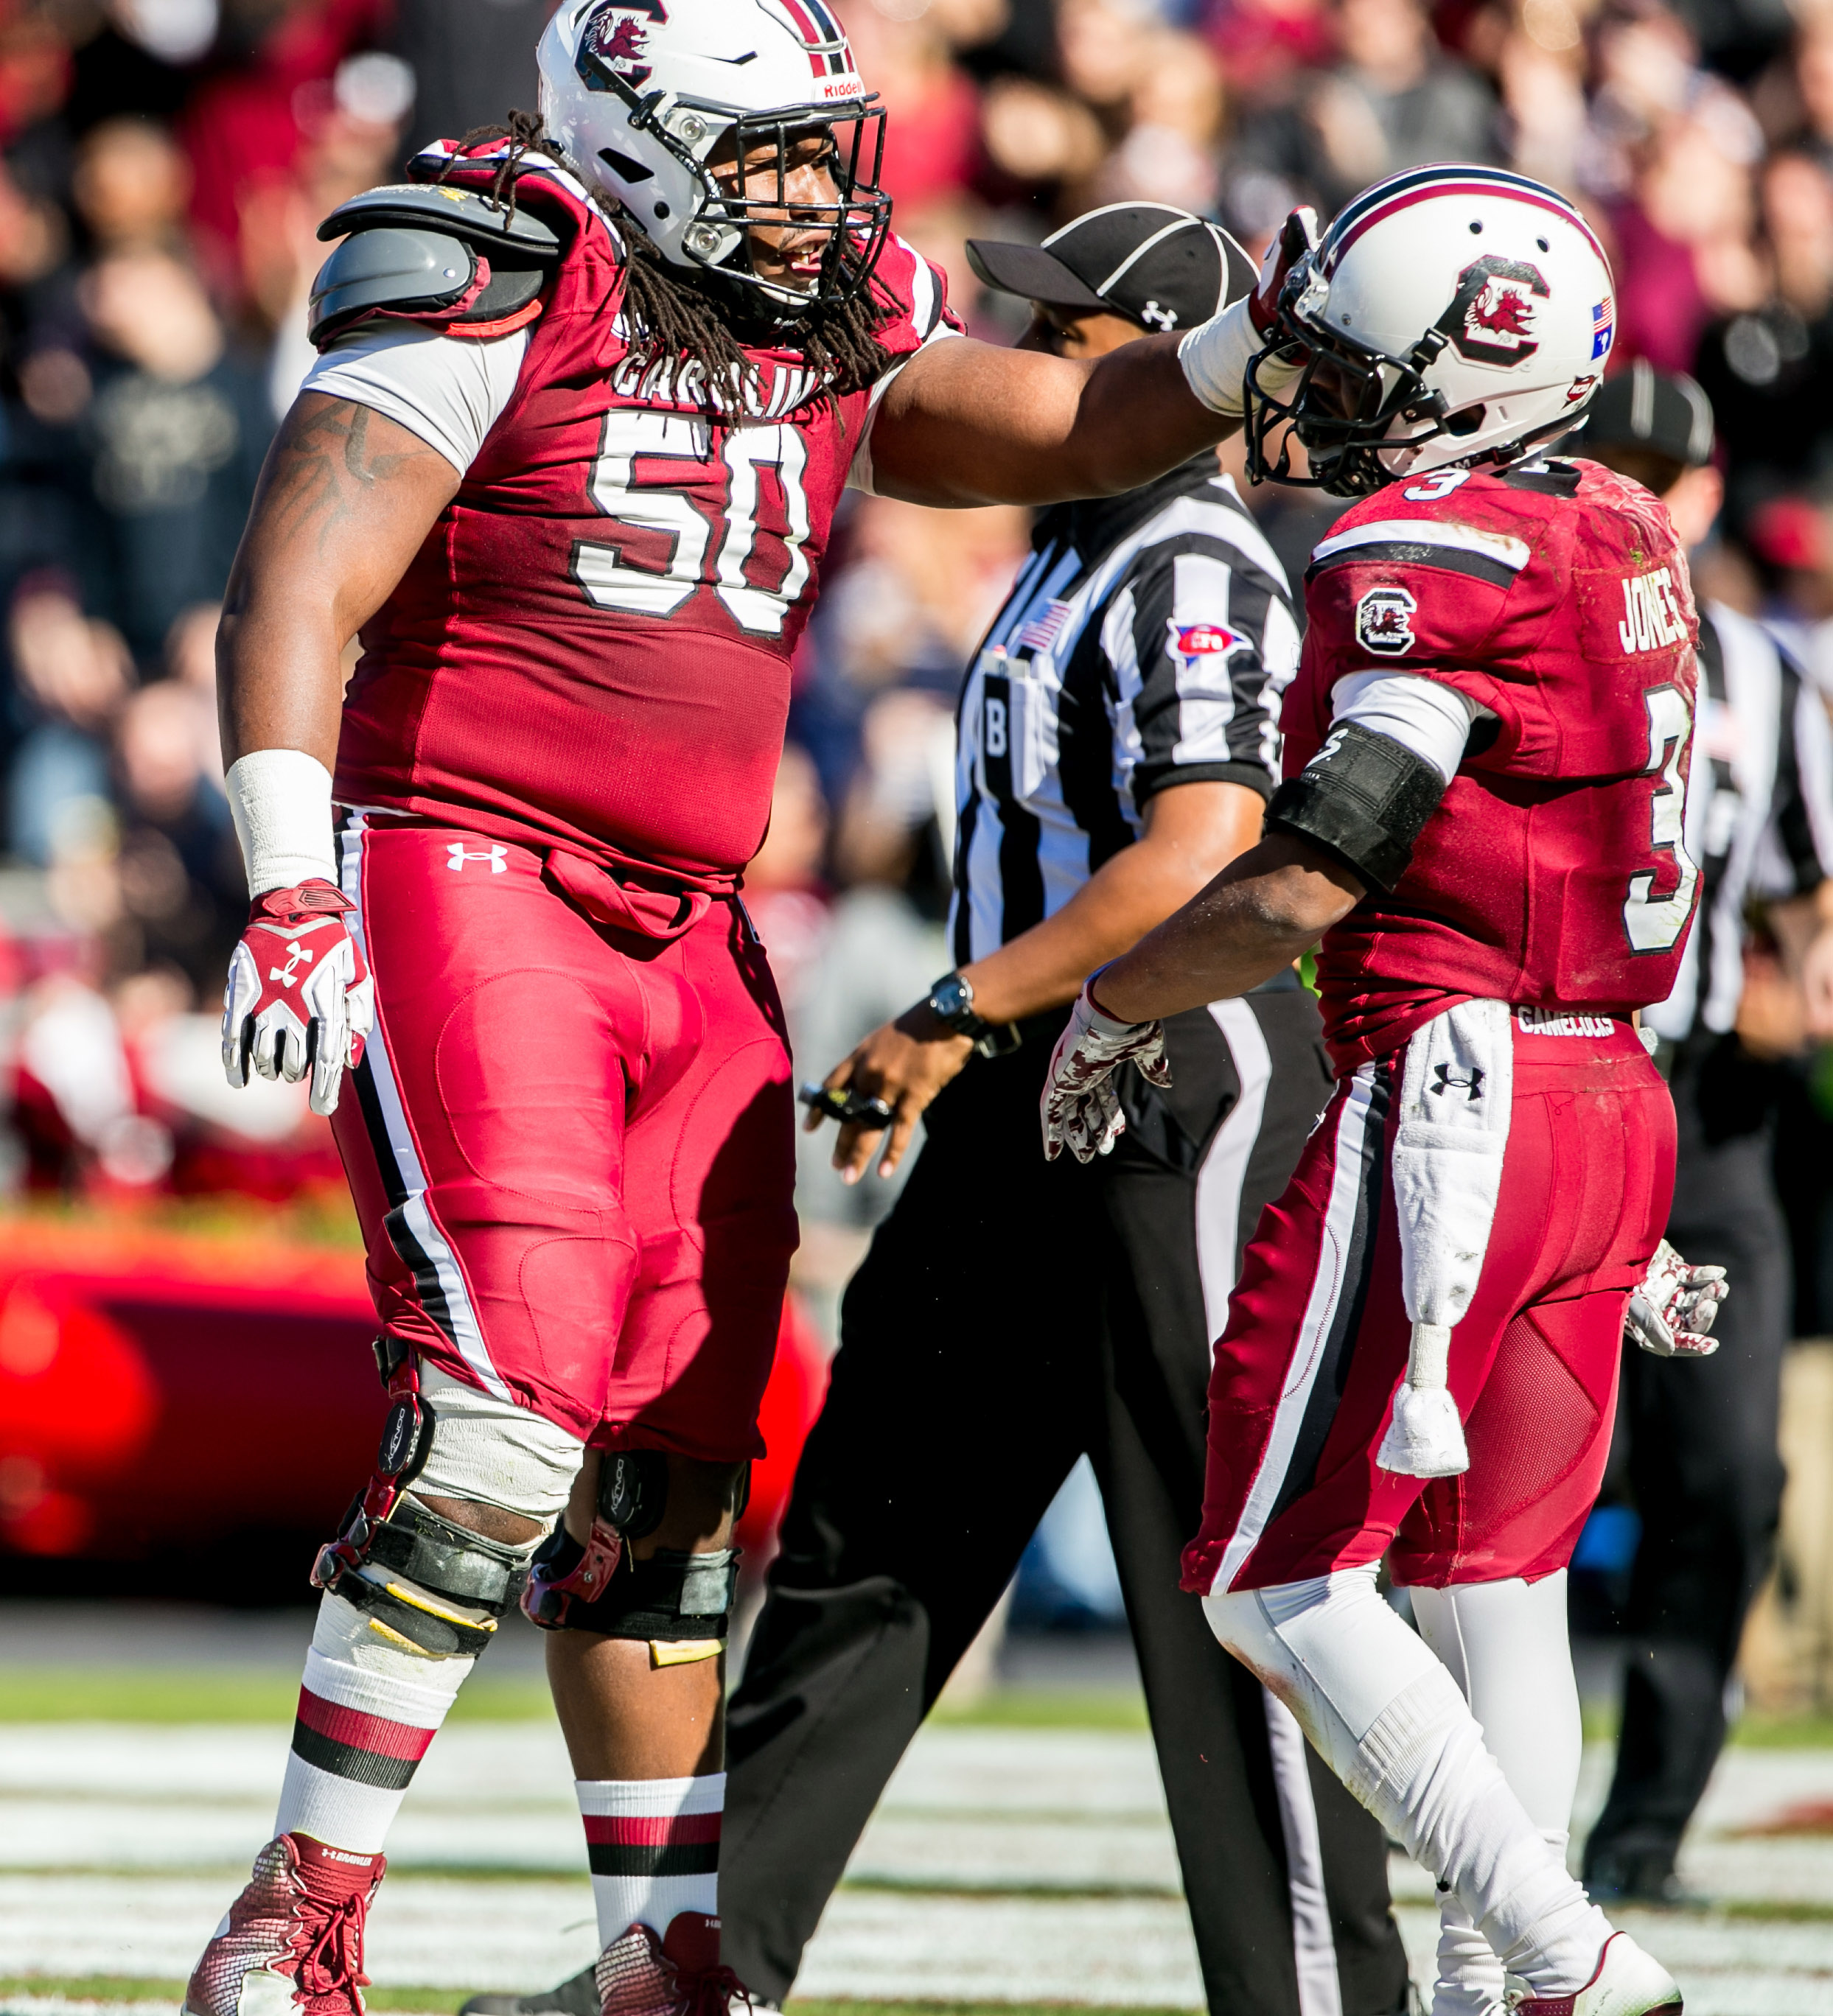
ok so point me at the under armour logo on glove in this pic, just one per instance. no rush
(1081, 1109)
(316, 1001)
(296, 955)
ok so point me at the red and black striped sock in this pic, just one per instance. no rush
(360, 1732)
(654, 1848)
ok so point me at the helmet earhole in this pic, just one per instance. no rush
(1543, 244)
(661, 210)
(1476, 228)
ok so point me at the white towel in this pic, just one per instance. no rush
(1455, 1096)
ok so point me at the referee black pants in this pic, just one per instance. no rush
(1703, 1465)
(1011, 1316)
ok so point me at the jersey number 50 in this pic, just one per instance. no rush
(651, 469)
(1653, 923)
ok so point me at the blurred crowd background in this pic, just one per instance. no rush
(164, 163)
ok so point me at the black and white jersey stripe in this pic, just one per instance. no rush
(1759, 810)
(1146, 641)
(1467, 550)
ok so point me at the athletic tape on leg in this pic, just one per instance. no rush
(490, 1453)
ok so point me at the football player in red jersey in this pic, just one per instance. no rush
(588, 396)
(1485, 754)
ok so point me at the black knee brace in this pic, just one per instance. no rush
(670, 1597)
(427, 1558)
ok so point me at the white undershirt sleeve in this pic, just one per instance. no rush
(448, 389)
(859, 472)
(1425, 715)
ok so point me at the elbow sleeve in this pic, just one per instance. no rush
(1362, 798)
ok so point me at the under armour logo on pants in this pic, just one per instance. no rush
(458, 854)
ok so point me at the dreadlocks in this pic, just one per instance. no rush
(688, 336)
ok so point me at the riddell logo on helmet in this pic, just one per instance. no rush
(619, 37)
(1492, 319)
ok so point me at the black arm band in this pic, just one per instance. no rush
(1363, 797)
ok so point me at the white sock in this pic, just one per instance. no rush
(1505, 1644)
(654, 1847)
(1388, 1718)
(368, 1711)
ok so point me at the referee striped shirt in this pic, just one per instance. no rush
(1759, 811)
(1146, 642)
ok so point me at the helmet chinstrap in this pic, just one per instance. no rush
(860, 219)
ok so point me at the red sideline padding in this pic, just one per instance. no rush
(161, 1390)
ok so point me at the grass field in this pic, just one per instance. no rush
(233, 1694)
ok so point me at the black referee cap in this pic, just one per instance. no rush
(1161, 267)
(1664, 413)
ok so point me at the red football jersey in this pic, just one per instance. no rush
(592, 649)
(1553, 872)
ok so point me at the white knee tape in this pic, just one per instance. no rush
(492, 1453)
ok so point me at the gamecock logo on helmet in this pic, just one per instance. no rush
(619, 36)
(1492, 320)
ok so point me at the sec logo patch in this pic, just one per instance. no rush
(1198, 640)
(1382, 621)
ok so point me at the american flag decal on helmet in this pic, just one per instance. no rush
(826, 40)
(1603, 318)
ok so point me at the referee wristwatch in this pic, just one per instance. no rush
(951, 1000)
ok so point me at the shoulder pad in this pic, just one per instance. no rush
(1551, 479)
(429, 254)
(460, 212)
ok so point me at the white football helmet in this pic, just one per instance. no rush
(1451, 314)
(640, 93)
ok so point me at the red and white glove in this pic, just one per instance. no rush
(1294, 243)
(1672, 1312)
(1080, 1107)
(1215, 354)
(299, 997)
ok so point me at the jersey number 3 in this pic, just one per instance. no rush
(1653, 923)
(659, 477)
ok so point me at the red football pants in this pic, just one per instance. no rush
(571, 1141)
(1303, 1385)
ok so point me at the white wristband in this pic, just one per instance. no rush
(1215, 357)
(281, 801)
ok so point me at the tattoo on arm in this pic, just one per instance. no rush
(324, 462)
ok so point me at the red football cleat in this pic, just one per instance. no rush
(676, 1975)
(293, 1940)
